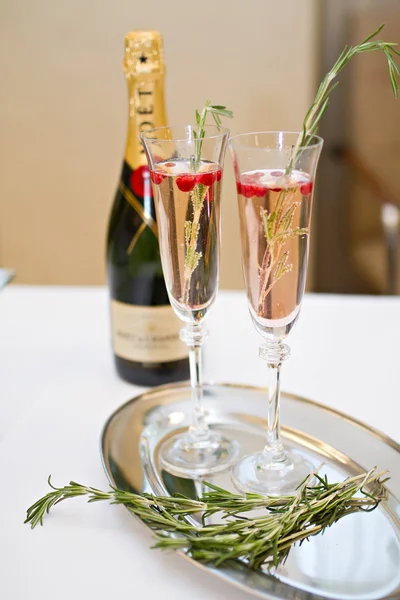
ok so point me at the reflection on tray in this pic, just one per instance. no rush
(356, 559)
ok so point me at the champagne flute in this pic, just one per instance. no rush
(186, 173)
(275, 180)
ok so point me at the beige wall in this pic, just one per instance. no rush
(63, 113)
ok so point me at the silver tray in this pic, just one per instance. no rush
(358, 558)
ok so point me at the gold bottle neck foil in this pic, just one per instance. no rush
(143, 54)
(144, 69)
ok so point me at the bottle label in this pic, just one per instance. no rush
(146, 334)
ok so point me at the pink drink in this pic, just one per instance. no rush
(275, 220)
(188, 217)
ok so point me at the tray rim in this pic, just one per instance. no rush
(380, 435)
(228, 572)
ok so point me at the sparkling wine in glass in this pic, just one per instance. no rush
(186, 175)
(275, 200)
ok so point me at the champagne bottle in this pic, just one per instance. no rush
(145, 330)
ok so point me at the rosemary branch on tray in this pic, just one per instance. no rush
(260, 539)
(321, 101)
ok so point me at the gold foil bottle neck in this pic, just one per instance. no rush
(144, 69)
(143, 54)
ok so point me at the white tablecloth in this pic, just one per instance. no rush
(58, 386)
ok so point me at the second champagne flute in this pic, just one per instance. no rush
(186, 172)
(275, 179)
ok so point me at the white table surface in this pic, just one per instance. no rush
(58, 386)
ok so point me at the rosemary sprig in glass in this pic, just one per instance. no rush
(217, 112)
(259, 540)
(278, 229)
(321, 101)
(276, 261)
(198, 193)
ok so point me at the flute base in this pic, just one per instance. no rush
(183, 455)
(253, 474)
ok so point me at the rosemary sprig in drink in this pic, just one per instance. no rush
(276, 262)
(217, 112)
(198, 193)
(278, 229)
(259, 540)
(321, 101)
